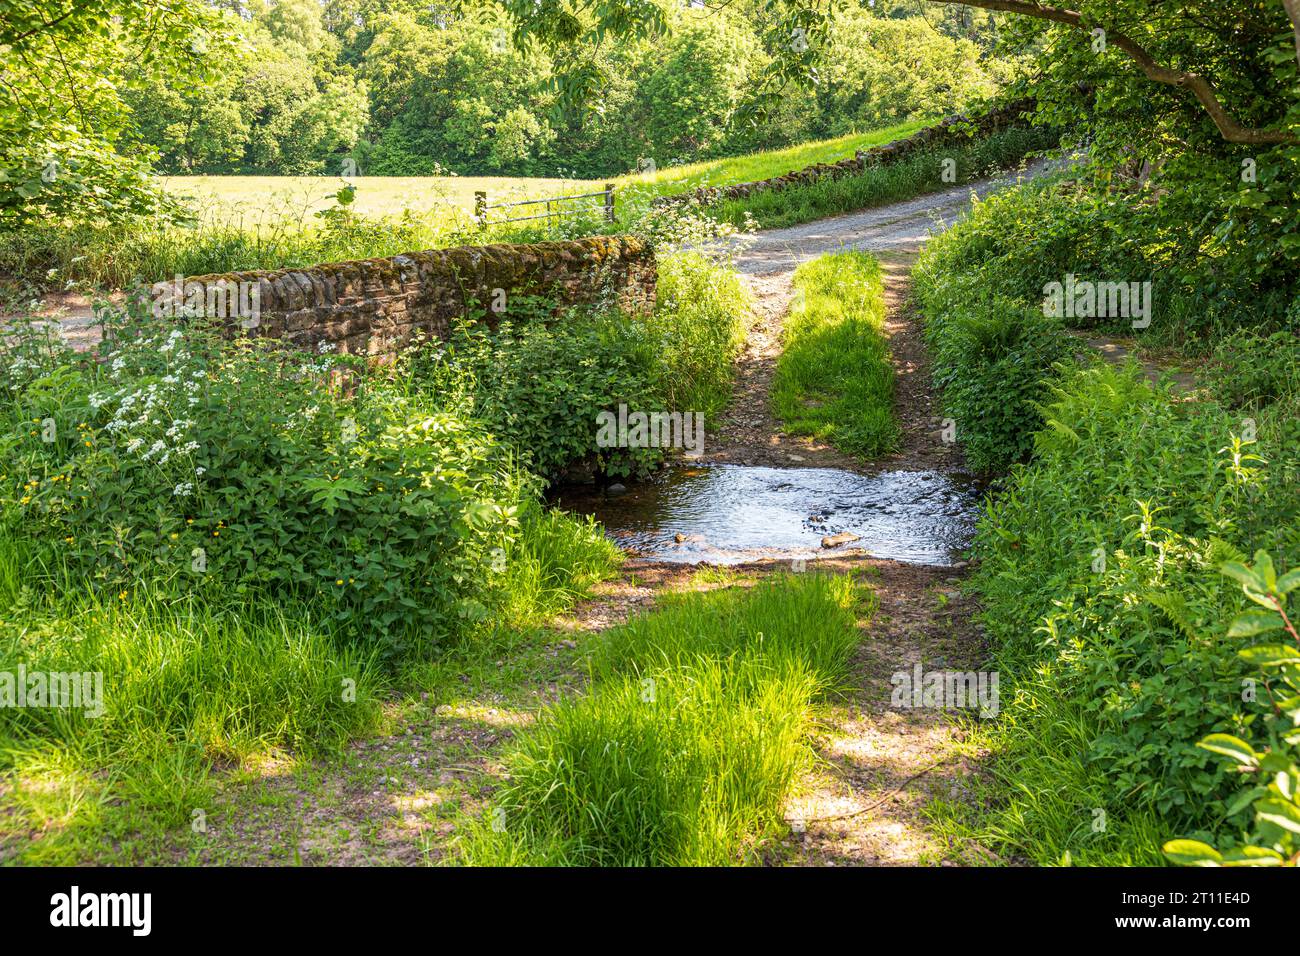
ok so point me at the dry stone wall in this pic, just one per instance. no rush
(952, 130)
(374, 306)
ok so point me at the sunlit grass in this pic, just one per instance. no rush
(299, 196)
(915, 175)
(834, 380)
(190, 687)
(691, 739)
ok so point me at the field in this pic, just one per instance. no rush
(295, 198)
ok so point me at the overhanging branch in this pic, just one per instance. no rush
(1292, 8)
(1201, 88)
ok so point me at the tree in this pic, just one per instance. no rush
(1197, 47)
(281, 103)
(1108, 23)
(694, 94)
(62, 110)
(459, 96)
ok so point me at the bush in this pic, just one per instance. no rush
(1021, 239)
(1273, 773)
(699, 325)
(1249, 369)
(1094, 585)
(540, 383)
(993, 358)
(173, 462)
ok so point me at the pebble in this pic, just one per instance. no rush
(835, 540)
(616, 489)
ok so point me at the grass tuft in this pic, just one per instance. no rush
(691, 739)
(834, 381)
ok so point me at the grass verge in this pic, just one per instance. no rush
(183, 690)
(834, 381)
(1098, 577)
(915, 176)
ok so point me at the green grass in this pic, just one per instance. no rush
(272, 222)
(185, 684)
(753, 167)
(297, 197)
(834, 381)
(558, 558)
(915, 176)
(700, 315)
(190, 686)
(691, 739)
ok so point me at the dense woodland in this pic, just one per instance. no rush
(403, 87)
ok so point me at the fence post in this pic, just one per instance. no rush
(480, 208)
(609, 201)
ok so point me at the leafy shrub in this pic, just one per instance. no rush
(539, 383)
(993, 357)
(1093, 581)
(699, 325)
(173, 461)
(1080, 222)
(1249, 369)
(1274, 771)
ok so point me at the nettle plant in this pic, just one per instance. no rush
(175, 462)
(1274, 768)
(538, 382)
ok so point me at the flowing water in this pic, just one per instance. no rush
(727, 514)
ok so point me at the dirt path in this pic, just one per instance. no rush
(749, 434)
(895, 234)
(897, 227)
(882, 766)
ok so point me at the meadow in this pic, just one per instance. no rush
(232, 198)
(234, 223)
